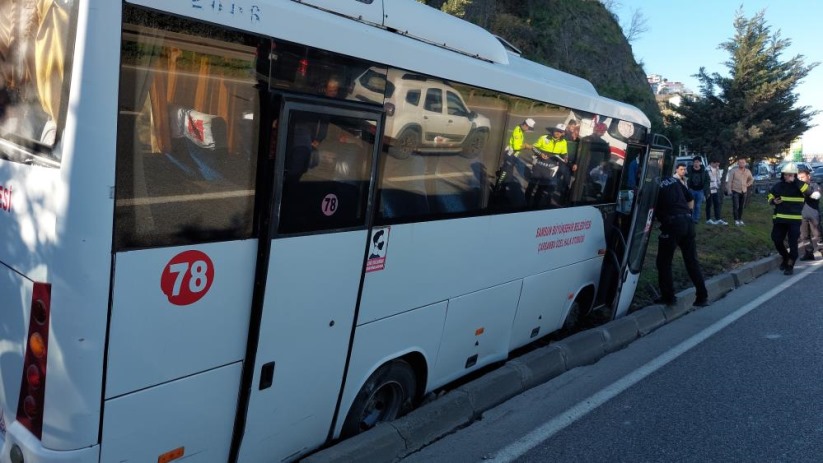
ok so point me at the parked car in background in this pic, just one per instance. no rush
(817, 175)
(763, 178)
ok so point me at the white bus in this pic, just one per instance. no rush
(239, 230)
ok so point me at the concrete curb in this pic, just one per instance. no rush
(389, 442)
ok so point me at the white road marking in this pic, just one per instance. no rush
(557, 424)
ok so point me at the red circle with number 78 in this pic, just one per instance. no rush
(187, 277)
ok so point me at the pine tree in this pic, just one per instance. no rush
(753, 111)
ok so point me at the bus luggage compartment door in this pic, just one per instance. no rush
(178, 328)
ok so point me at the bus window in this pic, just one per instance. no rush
(34, 74)
(327, 171)
(443, 138)
(187, 134)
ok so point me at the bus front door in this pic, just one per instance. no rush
(641, 226)
(310, 276)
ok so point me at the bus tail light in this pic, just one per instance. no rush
(33, 383)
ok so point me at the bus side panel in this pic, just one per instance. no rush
(194, 413)
(378, 342)
(547, 297)
(79, 263)
(477, 332)
(436, 261)
(157, 336)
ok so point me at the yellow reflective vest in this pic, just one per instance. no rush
(516, 140)
(551, 145)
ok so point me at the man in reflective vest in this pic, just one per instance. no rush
(788, 197)
(554, 145)
(551, 175)
(516, 143)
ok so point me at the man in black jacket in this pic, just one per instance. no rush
(699, 184)
(674, 211)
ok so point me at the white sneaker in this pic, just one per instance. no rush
(741, 223)
(711, 222)
(721, 222)
(738, 223)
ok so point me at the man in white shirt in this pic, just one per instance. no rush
(715, 199)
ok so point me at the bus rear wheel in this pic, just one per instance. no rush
(574, 317)
(388, 394)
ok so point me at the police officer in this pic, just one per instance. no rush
(551, 174)
(555, 144)
(517, 142)
(788, 197)
(674, 211)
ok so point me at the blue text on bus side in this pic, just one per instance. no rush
(232, 8)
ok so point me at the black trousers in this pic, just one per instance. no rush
(678, 232)
(782, 230)
(713, 201)
(738, 200)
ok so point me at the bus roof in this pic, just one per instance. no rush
(409, 35)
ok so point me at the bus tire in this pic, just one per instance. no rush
(388, 394)
(573, 318)
(405, 144)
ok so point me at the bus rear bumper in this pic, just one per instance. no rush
(18, 437)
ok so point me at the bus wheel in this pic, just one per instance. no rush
(405, 144)
(573, 318)
(388, 394)
(474, 144)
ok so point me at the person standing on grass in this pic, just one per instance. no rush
(698, 183)
(739, 182)
(674, 211)
(788, 197)
(714, 198)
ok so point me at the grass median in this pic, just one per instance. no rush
(720, 248)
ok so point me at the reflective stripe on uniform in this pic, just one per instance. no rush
(788, 216)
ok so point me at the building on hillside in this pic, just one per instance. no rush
(663, 86)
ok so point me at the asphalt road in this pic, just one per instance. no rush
(740, 380)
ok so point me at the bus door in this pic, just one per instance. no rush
(641, 226)
(324, 166)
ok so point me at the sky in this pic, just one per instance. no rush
(684, 35)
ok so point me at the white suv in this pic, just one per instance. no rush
(423, 114)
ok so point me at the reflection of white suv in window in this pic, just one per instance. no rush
(423, 114)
